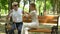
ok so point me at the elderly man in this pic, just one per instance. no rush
(16, 14)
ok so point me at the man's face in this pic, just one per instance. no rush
(15, 7)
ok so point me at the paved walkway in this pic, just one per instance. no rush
(2, 33)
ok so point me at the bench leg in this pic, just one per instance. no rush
(6, 29)
(47, 33)
(54, 30)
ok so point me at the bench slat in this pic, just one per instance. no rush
(43, 19)
(40, 30)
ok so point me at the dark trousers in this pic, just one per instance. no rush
(16, 25)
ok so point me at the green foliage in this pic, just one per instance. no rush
(48, 5)
(4, 3)
(52, 2)
(3, 6)
(39, 4)
(25, 1)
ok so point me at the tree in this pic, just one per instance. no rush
(3, 6)
(44, 11)
(54, 4)
(39, 2)
(0, 8)
(24, 4)
(58, 4)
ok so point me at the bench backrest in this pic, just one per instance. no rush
(42, 19)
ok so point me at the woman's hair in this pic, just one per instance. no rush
(33, 5)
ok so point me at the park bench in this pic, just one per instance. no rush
(42, 20)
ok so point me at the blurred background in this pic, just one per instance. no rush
(49, 7)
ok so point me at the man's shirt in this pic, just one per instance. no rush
(17, 15)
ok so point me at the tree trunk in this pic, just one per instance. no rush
(10, 4)
(44, 8)
(58, 6)
(39, 9)
(53, 6)
(24, 5)
(29, 4)
(0, 12)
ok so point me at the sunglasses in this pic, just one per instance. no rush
(15, 5)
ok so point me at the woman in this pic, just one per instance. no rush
(34, 23)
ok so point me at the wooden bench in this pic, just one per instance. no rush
(42, 19)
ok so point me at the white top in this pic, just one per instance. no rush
(34, 16)
(17, 15)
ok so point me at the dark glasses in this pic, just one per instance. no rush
(15, 5)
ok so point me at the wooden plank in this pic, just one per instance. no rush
(40, 30)
(43, 19)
